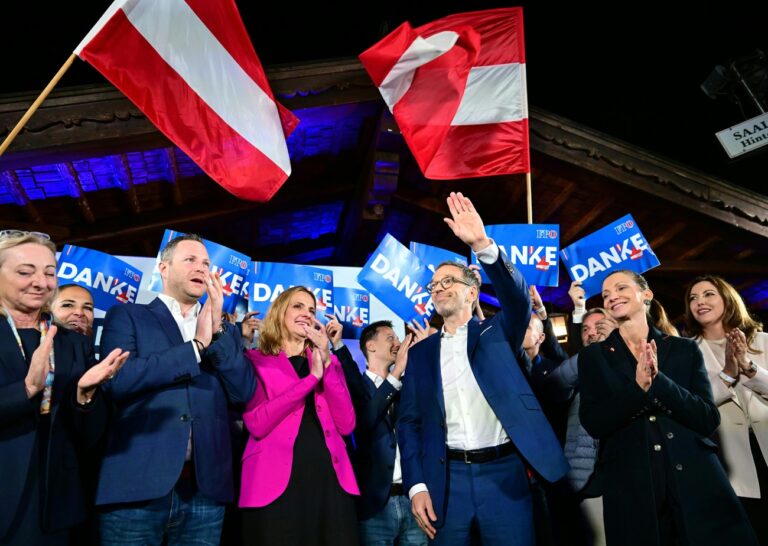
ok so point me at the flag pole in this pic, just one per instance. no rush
(529, 196)
(35, 105)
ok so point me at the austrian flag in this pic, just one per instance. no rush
(456, 88)
(190, 67)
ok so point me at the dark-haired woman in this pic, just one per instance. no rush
(646, 396)
(736, 356)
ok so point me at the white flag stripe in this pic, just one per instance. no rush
(111, 10)
(420, 52)
(186, 44)
(494, 94)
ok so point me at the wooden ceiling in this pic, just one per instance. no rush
(91, 170)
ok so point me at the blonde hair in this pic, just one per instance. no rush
(9, 242)
(272, 332)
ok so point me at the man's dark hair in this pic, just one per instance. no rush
(467, 275)
(167, 253)
(370, 332)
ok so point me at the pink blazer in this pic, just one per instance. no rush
(273, 417)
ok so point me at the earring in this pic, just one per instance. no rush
(647, 302)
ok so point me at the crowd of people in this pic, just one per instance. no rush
(194, 428)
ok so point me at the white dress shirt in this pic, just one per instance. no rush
(188, 327)
(378, 381)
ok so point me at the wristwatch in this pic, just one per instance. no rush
(218, 333)
(752, 367)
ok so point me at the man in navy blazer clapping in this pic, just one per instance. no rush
(167, 468)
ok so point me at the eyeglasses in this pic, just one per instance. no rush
(446, 283)
(13, 233)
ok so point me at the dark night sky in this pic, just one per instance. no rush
(632, 70)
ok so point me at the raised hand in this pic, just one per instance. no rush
(100, 373)
(536, 303)
(319, 339)
(576, 292)
(466, 223)
(40, 364)
(401, 359)
(334, 329)
(418, 332)
(250, 325)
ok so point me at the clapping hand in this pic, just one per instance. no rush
(736, 360)
(321, 354)
(647, 365)
(100, 373)
(40, 364)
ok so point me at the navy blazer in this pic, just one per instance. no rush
(680, 406)
(162, 393)
(374, 455)
(71, 428)
(496, 357)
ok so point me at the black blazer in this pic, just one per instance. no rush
(375, 440)
(615, 410)
(71, 428)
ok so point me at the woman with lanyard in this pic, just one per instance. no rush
(49, 399)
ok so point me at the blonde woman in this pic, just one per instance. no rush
(49, 399)
(297, 481)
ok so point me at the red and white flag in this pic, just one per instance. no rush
(191, 68)
(456, 88)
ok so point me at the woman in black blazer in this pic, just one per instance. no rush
(646, 396)
(49, 401)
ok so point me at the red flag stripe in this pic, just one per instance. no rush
(481, 150)
(125, 57)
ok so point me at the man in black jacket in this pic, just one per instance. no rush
(383, 508)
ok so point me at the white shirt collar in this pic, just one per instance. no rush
(174, 307)
(461, 331)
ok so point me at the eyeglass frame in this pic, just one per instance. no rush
(12, 233)
(451, 279)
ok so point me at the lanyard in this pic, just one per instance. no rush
(45, 404)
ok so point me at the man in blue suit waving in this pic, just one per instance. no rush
(469, 421)
(167, 467)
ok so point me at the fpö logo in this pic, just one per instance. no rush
(546, 234)
(624, 226)
(131, 274)
(238, 262)
(361, 297)
(319, 276)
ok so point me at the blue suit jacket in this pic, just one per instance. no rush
(162, 393)
(374, 456)
(496, 357)
(71, 428)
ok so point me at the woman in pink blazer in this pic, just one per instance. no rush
(297, 479)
